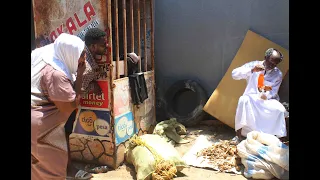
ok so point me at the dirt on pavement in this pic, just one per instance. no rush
(213, 130)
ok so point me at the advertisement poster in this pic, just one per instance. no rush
(93, 100)
(76, 17)
(93, 123)
(124, 127)
(53, 17)
(122, 97)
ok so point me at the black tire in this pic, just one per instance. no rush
(194, 115)
(160, 110)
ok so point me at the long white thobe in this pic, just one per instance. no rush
(254, 113)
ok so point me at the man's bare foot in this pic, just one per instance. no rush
(235, 140)
(284, 140)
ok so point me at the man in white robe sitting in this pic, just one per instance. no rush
(259, 109)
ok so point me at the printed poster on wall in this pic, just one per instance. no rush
(93, 100)
(93, 123)
(122, 97)
(53, 17)
(76, 17)
(124, 127)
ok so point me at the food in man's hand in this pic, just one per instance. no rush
(263, 96)
(267, 88)
(260, 66)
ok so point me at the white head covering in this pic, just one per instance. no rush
(62, 55)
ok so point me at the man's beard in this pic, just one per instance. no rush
(101, 53)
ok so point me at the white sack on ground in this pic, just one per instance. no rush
(264, 156)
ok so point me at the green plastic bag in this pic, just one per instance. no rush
(171, 131)
(144, 161)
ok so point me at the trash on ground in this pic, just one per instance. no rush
(171, 131)
(220, 156)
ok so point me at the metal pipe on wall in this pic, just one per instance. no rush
(132, 26)
(145, 34)
(152, 35)
(109, 24)
(139, 33)
(116, 30)
(124, 37)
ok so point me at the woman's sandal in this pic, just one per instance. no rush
(96, 169)
(79, 175)
(83, 175)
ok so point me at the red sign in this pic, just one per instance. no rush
(97, 101)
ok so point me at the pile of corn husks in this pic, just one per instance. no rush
(222, 155)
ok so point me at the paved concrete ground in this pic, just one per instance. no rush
(213, 130)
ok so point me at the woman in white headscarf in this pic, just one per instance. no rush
(55, 93)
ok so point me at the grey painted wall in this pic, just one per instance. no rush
(197, 39)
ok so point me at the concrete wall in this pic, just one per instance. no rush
(197, 39)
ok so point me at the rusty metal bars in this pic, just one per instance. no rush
(145, 34)
(139, 33)
(134, 8)
(124, 25)
(116, 30)
(132, 26)
(152, 34)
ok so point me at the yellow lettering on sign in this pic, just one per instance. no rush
(94, 103)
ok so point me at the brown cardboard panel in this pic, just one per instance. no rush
(224, 100)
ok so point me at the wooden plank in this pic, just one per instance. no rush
(109, 39)
(139, 33)
(152, 35)
(116, 30)
(152, 55)
(124, 37)
(145, 34)
(132, 26)
(109, 16)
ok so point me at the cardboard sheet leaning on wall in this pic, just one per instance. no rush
(224, 100)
